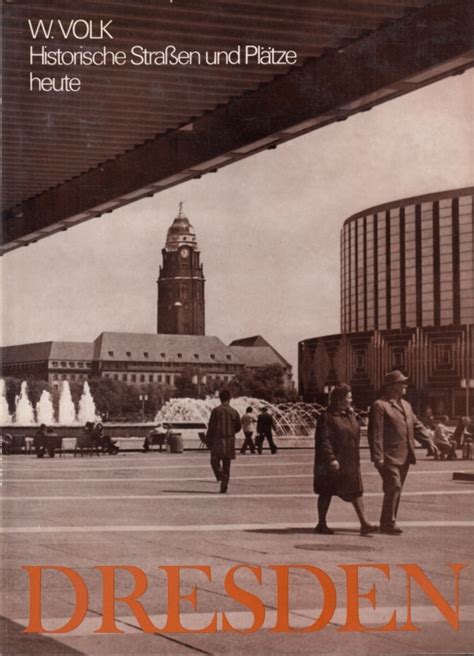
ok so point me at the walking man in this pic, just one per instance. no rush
(224, 423)
(265, 427)
(393, 428)
(248, 421)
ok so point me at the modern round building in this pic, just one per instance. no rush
(407, 302)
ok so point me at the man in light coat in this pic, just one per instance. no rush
(393, 428)
(224, 423)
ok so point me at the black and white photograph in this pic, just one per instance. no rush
(237, 338)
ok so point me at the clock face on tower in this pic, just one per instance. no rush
(184, 252)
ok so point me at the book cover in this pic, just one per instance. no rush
(272, 198)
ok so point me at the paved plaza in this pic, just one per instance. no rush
(160, 509)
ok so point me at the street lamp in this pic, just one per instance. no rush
(143, 398)
(198, 379)
(467, 384)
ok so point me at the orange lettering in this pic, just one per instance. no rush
(108, 599)
(80, 589)
(245, 598)
(283, 584)
(173, 624)
(451, 614)
(353, 595)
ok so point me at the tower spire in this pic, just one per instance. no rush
(180, 213)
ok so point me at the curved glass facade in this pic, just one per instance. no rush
(409, 264)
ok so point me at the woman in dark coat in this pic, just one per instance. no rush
(337, 462)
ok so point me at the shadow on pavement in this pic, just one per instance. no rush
(351, 548)
(190, 491)
(282, 531)
(306, 531)
(17, 643)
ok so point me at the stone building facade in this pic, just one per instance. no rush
(140, 358)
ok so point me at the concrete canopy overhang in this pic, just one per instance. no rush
(129, 134)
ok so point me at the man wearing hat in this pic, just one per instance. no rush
(393, 428)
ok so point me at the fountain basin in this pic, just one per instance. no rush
(114, 430)
(130, 436)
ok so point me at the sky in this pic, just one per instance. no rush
(268, 228)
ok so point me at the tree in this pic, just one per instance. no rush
(184, 385)
(77, 388)
(213, 387)
(34, 390)
(265, 383)
(158, 394)
(118, 400)
(114, 398)
(12, 390)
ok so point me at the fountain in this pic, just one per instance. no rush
(290, 418)
(5, 416)
(186, 415)
(87, 410)
(44, 409)
(24, 413)
(67, 411)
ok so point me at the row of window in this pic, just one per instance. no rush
(130, 366)
(140, 378)
(146, 354)
(72, 365)
(23, 365)
(442, 352)
(160, 378)
(70, 376)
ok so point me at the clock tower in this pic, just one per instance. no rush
(181, 282)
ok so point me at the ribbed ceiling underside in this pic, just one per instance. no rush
(52, 138)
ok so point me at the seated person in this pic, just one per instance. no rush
(427, 419)
(156, 436)
(102, 441)
(88, 428)
(7, 444)
(461, 427)
(40, 441)
(443, 439)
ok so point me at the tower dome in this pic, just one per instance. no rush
(180, 233)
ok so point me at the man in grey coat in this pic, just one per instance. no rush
(224, 423)
(393, 428)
